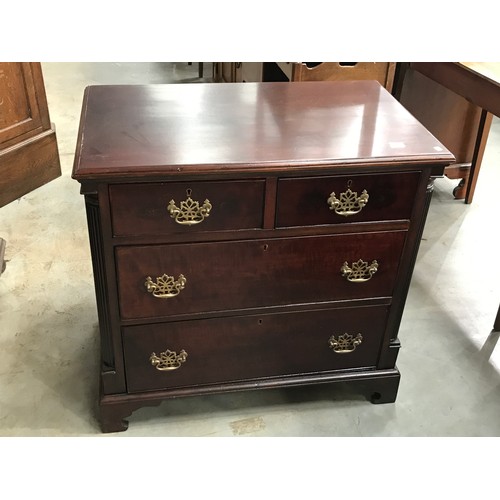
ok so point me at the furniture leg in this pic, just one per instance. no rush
(384, 390)
(477, 157)
(112, 419)
(2, 254)
(459, 171)
(114, 409)
(496, 326)
(379, 389)
(200, 69)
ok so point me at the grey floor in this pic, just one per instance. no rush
(449, 361)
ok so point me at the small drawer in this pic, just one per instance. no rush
(342, 199)
(189, 353)
(168, 280)
(180, 207)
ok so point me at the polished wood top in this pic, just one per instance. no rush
(167, 129)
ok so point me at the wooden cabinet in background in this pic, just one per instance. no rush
(383, 72)
(228, 72)
(454, 120)
(29, 156)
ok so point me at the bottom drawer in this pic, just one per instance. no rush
(210, 351)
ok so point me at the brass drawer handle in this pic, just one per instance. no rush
(345, 343)
(168, 360)
(190, 212)
(360, 271)
(349, 203)
(165, 286)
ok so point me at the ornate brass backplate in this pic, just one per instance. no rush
(345, 343)
(190, 212)
(165, 286)
(168, 360)
(360, 271)
(348, 203)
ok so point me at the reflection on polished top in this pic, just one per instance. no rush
(240, 126)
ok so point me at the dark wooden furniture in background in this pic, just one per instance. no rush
(28, 147)
(300, 71)
(29, 157)
(479, 83)
(459, 123)
(264, 238)
(383, 72)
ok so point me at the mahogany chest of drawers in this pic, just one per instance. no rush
(250, 236)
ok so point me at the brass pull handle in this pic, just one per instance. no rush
(168, 360)
(345, 343)
(360, 271)
(190, 212)
(349, 202)
(165, 287)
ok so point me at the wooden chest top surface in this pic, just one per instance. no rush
(131, 130)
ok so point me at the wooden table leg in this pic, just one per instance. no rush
(496, 326)
(459, 171)
(2, 254)
(481, 139)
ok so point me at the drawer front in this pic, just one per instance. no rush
(190, 353)
(178, 207)
(204, 277)
(337, 200)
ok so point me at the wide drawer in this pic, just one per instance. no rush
(190, 353)
(343, 199)
(179, 207)
(166, 280)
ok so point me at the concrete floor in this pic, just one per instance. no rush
(449, 360)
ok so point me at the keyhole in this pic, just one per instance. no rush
(349, 183)
(260, 322)
(265, 247)
(188, 192)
